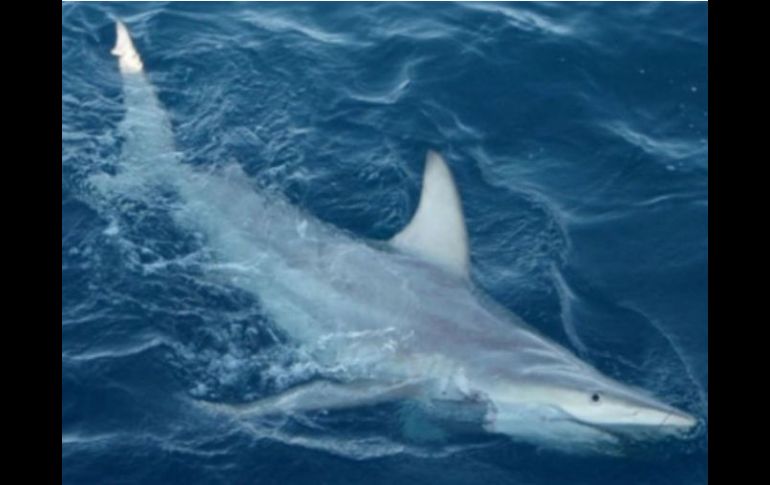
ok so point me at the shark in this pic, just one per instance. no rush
(397, 320)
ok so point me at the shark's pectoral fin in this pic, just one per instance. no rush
(432, 419)
(317, 396)
(437, 230)
(417, 425)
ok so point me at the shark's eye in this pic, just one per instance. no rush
(595, 397)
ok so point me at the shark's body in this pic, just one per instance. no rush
(399, 320)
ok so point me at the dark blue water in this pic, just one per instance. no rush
(578, 136)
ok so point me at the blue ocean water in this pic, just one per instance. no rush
(578, 137)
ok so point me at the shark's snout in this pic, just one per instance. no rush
(679, 419)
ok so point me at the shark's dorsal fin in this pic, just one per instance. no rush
(437, 230)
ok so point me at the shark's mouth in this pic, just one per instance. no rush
(650, 433)
(549, 423)
(549, 426)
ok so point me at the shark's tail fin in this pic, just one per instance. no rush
(129, 59)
